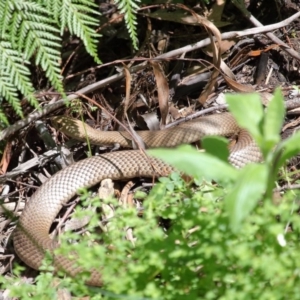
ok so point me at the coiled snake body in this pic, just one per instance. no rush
(31, 237)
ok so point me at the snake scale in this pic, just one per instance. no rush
(31, 237)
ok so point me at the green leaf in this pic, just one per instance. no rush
(288, 148)
(198, 165)
(248, 112)
(217, 146)
(245, 194)
(274, 116)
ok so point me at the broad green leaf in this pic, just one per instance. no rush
(245, 194)
(288, 148)
(199, 165)
(217, 146)
(248, 112)
(273, 121)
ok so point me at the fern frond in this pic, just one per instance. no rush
(3, 118)
(14, 76)
(34, 33)
(79, 17)
(25, 31)
(29, 28)
(10, 93)
(5, 17)
(129, 8)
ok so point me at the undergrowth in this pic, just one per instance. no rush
(222, 236)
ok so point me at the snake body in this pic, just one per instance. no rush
(31, 237)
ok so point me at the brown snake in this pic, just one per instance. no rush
(31, 237)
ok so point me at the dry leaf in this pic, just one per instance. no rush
(212, 30)
(128, 88)
(148, 121)
(226, 70)
(238, 87)
(225, 46)
(162, 91)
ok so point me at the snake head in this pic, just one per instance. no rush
(69, 126)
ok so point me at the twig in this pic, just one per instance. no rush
(36, 161)
(271, 36)
(287, 187)
(276, 40)
(197, 114)
(229, 35)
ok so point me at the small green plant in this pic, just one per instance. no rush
(220, 239)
